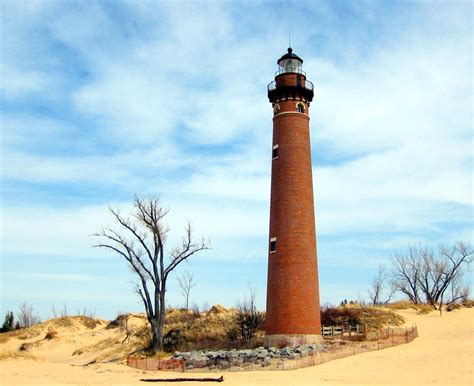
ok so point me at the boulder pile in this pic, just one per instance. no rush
(261, 356)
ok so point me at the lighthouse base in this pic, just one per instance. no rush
(291, 340)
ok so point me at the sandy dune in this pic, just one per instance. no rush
(443, 355)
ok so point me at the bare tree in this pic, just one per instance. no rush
(423, 272)
(26, 318)
(378, 289)
(186, 283)
(406, 274)
(141, 241)
(458, 290)
(64, 313)
(249, 319)
(445, 270)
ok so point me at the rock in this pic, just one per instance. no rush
(245, 353)
(223, 364)
(200, 362)
(304, 353)
(285, 352)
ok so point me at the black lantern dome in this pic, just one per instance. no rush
(290, 62)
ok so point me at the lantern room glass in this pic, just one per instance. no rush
(290, 65)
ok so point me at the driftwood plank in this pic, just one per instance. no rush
(220, 379)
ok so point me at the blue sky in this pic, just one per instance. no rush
(104, 99)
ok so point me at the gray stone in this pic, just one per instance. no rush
(304, 353)
(223, 364)
(200, 362)
(285, 352)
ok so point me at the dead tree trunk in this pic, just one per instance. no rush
(139, 240)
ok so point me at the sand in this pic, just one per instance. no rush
(442, 355)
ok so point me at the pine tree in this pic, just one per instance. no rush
(8, 323)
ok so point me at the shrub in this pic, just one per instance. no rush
(62, 322)
(172, 340)
(26, 346)
(452, 307)
(372, 318)
(423, 308)
(118, 322)
(468, 303)
(51, 335)
(88, 322)
(337, 316)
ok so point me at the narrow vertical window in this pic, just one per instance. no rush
(275, 152)
(300, 108)
(273, 245)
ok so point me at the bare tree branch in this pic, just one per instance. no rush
(421, 271)
(186, 283)
(140, 242)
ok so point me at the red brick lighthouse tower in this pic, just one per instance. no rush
(293, 311)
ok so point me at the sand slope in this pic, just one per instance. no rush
(442, 355)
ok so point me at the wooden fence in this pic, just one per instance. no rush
(336, 349)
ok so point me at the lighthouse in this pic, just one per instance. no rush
(293, 308)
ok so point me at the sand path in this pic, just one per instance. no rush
(442, 355)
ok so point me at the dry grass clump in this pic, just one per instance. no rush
(468, 303)
(453, 306)
(62, 322)
(51, 335)
(26, 347)
(373, 318)
(400, 305)
(28, 333)
(118, 322)
(88, 322)
(192, 330)
(4, 337)
(15, 354)
(422, 308)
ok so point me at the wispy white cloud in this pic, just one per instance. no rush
(161, 98)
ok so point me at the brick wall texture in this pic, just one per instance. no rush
(292, 289)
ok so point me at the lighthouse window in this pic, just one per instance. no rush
(275, 152)
(273, 245)
(300, 108)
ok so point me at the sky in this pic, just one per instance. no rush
(102, 100)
